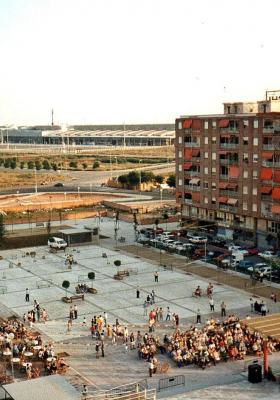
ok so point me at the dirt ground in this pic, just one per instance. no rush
(10, 178)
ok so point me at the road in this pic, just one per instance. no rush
(89, 181)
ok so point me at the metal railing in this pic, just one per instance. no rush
(268, 146)
(271, 164)
(165, 383)
(230, 193)
(192, 144)
(140, 394)
(271, 215)
(228, 208)
(193, 188)
(229, 145)
(226, 161)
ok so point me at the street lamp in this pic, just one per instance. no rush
(160, 192)
(140, 176)
(78, 191)
(35, 173)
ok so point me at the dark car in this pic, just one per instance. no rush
(59, 184)
(275, 276)
(217, 242)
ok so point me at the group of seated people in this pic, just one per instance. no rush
(209, 290)
(56, 366)
(216, 341)
(148, 348)
(82, 288)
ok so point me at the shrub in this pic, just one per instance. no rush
(96, 164)
(65, 285)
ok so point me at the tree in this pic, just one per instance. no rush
(147, 176)
(7, 163)
(156, 222)
(165, 216)
(38, 165)
(159, 179)
(65, 285)
(96, 164)
(133, 178)
(49, 227)
(13, 164)
(123, 180)
(2, 230)
(84, 165)
(91, 276)
(46, 165)
(171, 181)
(30, 164)
(54, 166)
(117, 264)
(22, 164)
(73, 164)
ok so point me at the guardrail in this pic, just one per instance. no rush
(165, 383)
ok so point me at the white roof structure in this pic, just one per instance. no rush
(53, 387)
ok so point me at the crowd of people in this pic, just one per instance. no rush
(82, 288)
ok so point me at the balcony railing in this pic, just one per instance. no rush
(268, 146)
(192, 173)
(225, 161)
(231, 129)
(188, 201)
(268, 129)
(225, 207)
(271, 164)
(224, 176)
(229, 145)
(192, 144)
(266, 197)
(270, 215)
(193, 188)
(229, 193)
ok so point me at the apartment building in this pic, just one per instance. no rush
(228, 169)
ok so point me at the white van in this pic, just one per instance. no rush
(56, 243)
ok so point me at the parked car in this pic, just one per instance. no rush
(59, 184)
(233, 247)
(56, 243)
(257, 267)
(252, 251)
(217, 242)
(266, 254)
(245, 264)
(198, 239)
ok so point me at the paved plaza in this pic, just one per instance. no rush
(19, 271)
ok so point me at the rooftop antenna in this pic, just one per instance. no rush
(52, 116)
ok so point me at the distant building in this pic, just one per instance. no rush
(228, 169)
(105, 135)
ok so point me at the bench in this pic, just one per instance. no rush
(3, 289)
(77, 297)
(121, 239)
(40, 224)
(121, 274)
(42, 284)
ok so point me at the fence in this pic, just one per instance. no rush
(132, 391)
(165, 383)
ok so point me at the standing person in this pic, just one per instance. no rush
(69, 325)
(71, 313)
(263, 309)
(211, 303)
(137, 293)
(151, 368)
(105, 317)
(38, 311)
(223, 309)
(156, 276)
(198, 316)
(102, 349)
(26, 294)
(168, 314)
(176, 321)
(84, 321)
(85, 392)
(75, 311)
(153, 295)
(160, 314)
(252, 304)
(97, 348)
(145, 306)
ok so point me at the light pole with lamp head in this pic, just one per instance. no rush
(140, 176)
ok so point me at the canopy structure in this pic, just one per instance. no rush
(53, 387)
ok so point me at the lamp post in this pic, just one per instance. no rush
(35, 173)
(140, 176)
(78, 192)
(160, 192)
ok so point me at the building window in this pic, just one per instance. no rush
(255, 158)
(245, 141)
(205, 200)
(256, 123)
(205, 185)
(245, 123)
(206, 170)
(214, 140)
(273, 227)
(255, 191)
(255, 141)
(235, 109)
(213, 156)
(228, 109)
(206, 154)
(206, 140)
(213, 185)
(214, 170)
(180, 139)
(245, 189)
(245, 206)
(180, 167)
(255, 174)
(255, 207)
(214, 124)
(245, 174)
(213, 200)
(180, 125)
(180, 154)
(180, 182)
(245, 157)
(205, 124)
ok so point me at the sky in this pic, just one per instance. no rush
(133, 61)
